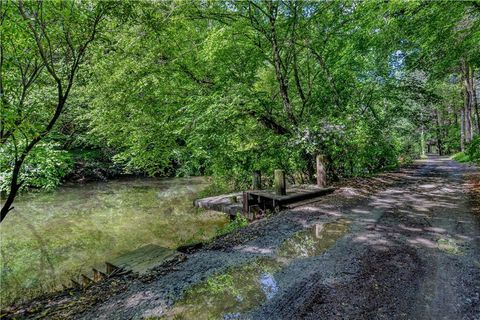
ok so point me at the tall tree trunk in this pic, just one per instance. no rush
(282, 81)
(468, 124)
(439, 133)
(468, 101)
(475, 104)
(422, 140)
(462, 129)
(455, 117)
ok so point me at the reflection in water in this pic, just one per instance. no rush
(53, 236)
(313, 241)
(244, 287)
(228, 294)
(268, 285)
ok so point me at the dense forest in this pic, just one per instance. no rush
(136, 138)
(97, 89)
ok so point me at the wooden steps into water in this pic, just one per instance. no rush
(144, 258)
(98, 275)
(95, 275)
(138, 261)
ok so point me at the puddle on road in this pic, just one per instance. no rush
(227, 295)
(313, 241)
(242, 288)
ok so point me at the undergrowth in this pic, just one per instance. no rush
(238, 223)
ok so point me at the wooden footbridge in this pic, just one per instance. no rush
(252, 203)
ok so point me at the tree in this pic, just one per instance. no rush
(224, 88)
(43, 45)
(290, 78)
(443, 43)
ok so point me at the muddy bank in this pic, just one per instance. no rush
(401, 245)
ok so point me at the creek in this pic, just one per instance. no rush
(51, 237)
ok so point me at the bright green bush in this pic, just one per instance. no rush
(473, 150)
(471, 154)
(460, 157)
(44, 168)
(239, 222)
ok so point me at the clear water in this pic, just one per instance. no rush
(313, 241)
(51, 237)
(241, 288)
(228, 294)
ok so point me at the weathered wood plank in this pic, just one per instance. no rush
(145, 258)
(296, 195)
(222, 203)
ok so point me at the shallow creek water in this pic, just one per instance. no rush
(241, 288)
(51, 237)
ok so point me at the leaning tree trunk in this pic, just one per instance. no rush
(14, 187)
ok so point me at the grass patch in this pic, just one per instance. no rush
(216, 187)
(448, 246)
(471, 153)
(239, 222)
(461, 157)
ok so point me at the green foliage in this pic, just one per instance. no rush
(461, 157)
(217, 110)
(471, 154)
(473, 150)
(210, 88)
(45, 167)
(238, 223)
(42, 46)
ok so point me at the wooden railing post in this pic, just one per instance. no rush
(246, 205)
(321, 172)
(257, 180)
(279, 182)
